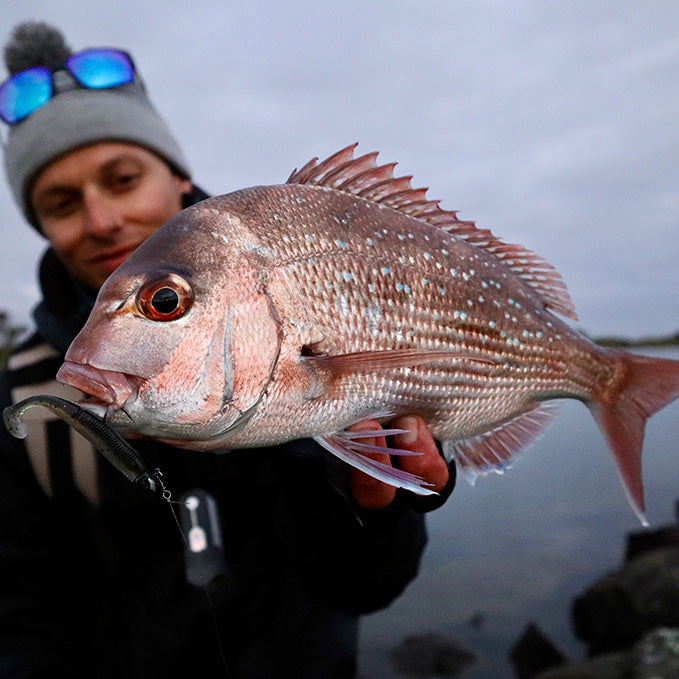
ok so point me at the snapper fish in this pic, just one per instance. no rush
(292, 311)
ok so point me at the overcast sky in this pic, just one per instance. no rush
(555, 124)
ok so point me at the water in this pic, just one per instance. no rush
(518, 547)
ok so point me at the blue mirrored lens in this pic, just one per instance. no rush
(25, 92)
(101, 68)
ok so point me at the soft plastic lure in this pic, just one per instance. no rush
(105, 439)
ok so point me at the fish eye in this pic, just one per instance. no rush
(165, 297)
(165, 301)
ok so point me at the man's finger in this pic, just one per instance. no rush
(368, 492)
(429, 465)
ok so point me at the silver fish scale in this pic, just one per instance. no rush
(373, 279)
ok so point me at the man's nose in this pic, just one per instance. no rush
(101, 215)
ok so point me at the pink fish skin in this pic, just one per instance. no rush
(281, 312)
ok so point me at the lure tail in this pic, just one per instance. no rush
(644, 386)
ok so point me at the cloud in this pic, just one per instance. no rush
(554, 124)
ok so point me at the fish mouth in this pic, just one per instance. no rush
(109, 388)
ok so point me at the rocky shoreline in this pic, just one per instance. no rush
(629, 618)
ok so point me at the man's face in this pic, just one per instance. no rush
(99, 203)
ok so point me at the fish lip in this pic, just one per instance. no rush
(95, 406)
(109, 388)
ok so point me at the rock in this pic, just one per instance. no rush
(648, 540)
(656, 656)
(431, 654)
(604, 617)
(615, 612)
(610, 666)
(533, 653)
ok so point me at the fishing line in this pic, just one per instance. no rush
(167, 496)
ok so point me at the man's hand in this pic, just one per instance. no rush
(370, 493)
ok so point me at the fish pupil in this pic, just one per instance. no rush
(165, 301)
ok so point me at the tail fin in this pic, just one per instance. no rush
(646, 385)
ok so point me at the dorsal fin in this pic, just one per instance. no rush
(363, 177)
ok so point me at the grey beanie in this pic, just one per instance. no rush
(75, 117)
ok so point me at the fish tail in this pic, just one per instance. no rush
(641, 387)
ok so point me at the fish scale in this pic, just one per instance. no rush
(345, 295)
(400, 309)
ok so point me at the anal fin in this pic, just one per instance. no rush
(493, 451)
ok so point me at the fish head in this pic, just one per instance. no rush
(182, 340)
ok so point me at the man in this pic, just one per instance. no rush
(95, 580)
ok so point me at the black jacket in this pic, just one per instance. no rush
(92, 569)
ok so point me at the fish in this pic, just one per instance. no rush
(296, 310)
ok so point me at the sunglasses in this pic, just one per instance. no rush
(95, 69)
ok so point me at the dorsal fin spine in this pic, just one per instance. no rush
(363, 177)
(366, 179)
(302, 175)
(350, 171)
(386, 189)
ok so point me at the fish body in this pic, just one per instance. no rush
(282, 312)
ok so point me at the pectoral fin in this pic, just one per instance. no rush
(390, 359)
